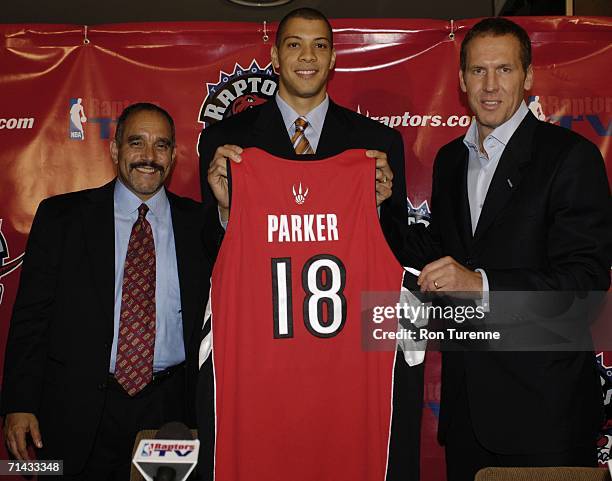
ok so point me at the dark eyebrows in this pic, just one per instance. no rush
(164, 140)
(501, 65)
(292, 37)
(297, 37)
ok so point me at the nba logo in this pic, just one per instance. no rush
(77, 119)
(147, 450)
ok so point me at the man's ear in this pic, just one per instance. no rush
(528, 78)
(274, 57)
(114, 151)
(332, 62)
(462, 81)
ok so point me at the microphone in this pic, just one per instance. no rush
(173, 430)
(171, 456)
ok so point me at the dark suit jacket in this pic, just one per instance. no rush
(60, 338)
(545, 225)
(343, 129)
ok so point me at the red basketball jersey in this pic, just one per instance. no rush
(296, 396)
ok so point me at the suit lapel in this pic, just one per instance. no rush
(265, 134)
(99, 222)
(462, 216)
(507, 175)
(184, 239)
(336, 136)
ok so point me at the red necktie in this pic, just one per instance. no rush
(299, 140)
(136, 343)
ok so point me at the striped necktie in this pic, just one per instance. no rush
(299, 141)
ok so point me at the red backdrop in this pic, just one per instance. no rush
(402, 72)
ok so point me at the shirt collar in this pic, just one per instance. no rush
(315, 117)
(127, 202)
(502, 134)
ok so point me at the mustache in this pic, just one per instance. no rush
(145, 163)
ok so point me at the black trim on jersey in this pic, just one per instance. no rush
(327, 301)
(410, 283)
(228, 164)
(206, 328)
(275, 299)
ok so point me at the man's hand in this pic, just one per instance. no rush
(447, 275)
(384, 176)
(217, 175)
(16, 425)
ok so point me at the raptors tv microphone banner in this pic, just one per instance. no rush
(63, 87)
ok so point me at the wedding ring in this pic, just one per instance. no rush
(436, 284)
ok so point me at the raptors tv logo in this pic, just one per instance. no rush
(237, 91)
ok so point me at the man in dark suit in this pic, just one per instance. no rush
(105, 328)
(517, 205)
(303, 57)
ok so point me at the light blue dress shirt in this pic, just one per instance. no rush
(481, 168)
(316, 118)
(169, 344)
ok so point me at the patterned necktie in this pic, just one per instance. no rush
(299, 140)
(136, 344)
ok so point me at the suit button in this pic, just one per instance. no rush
(469, 263)
(102, 386)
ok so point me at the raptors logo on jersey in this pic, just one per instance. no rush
(296, 396)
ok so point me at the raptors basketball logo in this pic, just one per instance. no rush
(6, 266)
(237, 91)
(418, 214)
(300, 196)
(604, 442)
